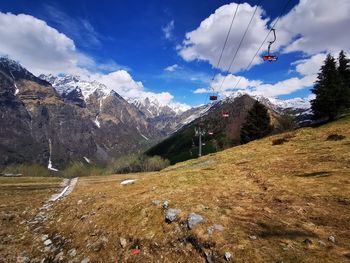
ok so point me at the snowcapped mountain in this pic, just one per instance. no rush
(65, 84)
(152, 107)
(274, 103)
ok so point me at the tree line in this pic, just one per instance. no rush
(332, 98)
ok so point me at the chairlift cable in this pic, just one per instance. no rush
(240, 43)
(257, 52)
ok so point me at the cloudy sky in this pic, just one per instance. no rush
(170, 49)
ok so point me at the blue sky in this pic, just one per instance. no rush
(146, 37)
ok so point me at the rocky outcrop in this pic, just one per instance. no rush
(36, 117)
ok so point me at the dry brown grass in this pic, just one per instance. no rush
(282, 194)
(19, 200)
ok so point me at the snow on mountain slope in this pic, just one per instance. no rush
(67, 83)
(152, 107)
(276, 104)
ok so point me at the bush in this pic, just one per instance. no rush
(78, 169)
(27, 170)
(135, 164)
(335, 137)
(279, 141)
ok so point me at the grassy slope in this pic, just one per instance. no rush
(19, 199)
(283, 194)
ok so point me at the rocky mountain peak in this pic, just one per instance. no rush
(16, 72)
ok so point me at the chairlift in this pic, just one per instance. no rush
(225, 114)
(270, 57)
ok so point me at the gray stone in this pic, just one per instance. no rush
(307, 242)
(194, 219)
(166, 204)
(252, 237)
(331, 239)
(23, 259)
(228, 256)
(59, 257)
(85, 260)
(215, 227)
(156, 202)
(47, 242)
(44, 237)
(122, 242)
(171, 215)
(321, 243)
(72, 252)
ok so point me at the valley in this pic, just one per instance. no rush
(261, 202)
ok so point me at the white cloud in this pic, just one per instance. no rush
(316, 26)
(201, 91)
(121, 82)
(168, 30)
(172, 68)
(206, 42)
(42, 49)
(310, 66)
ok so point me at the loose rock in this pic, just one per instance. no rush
(47, 242)
(85, 260)
(215, 227)
(156, 202)
(321, 243)
(307, 242)
(228, 256)
(166, 204)
(171, 215)
(23, 259)
(252, 237)
(79, 202)
(122, 242)
(72, 253)
(194, 219)
(59, 257)
(331, 239)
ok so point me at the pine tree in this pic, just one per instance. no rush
(344, 74)
(328, 91)
(257, 124)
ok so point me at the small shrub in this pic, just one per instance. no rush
(135, 164)
(35, 170)
(79, 169)
(335, 137)
(279, 141)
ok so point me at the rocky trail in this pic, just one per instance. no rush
(52, 245)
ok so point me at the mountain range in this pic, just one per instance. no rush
(53, 120)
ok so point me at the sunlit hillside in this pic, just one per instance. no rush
(285, 198)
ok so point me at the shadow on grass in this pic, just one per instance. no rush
(271, 230)
(314, 174)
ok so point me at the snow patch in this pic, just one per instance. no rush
(49, 166)
(129, 181)
(97, 122)
(86, 159)
(142, 134)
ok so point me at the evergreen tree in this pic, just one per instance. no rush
(344, 74)
(257, 124)
(328, 91)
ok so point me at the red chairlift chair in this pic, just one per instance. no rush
(225, 114)
(270, 57)
(213, 97)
